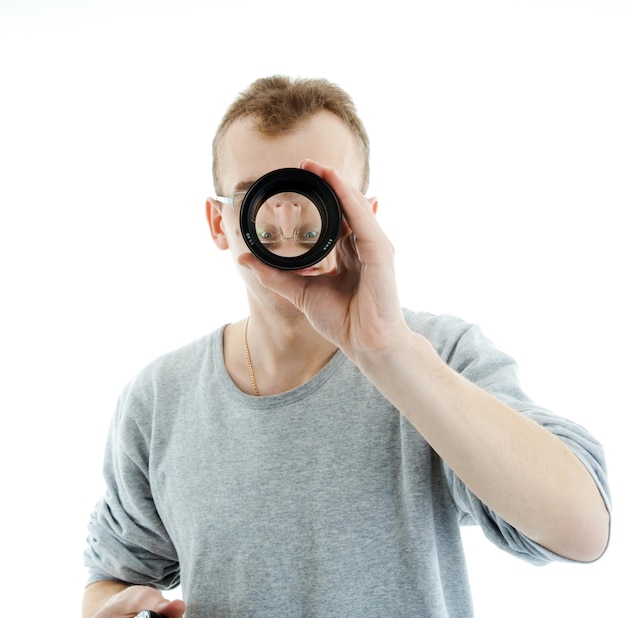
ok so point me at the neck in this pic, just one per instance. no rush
(285, 352)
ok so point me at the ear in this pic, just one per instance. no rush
(216, 223)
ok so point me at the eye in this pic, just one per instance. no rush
(268, 235)
(309, 237)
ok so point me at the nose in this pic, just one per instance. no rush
(286, 211)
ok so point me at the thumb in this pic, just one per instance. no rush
(171, 609)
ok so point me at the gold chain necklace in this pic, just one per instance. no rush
(248, 361)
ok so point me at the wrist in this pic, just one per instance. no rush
(406, 358)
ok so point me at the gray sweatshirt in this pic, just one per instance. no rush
(321, 501)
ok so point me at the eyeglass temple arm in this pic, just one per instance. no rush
(225, 200)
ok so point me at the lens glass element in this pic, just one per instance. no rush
(288, 224)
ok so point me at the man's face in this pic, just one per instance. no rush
(246, 155)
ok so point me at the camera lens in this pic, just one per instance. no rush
(290, 218)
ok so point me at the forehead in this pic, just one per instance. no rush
(246, 154)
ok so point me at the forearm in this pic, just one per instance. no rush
(97, 595)
(115, 599)
(516, 467)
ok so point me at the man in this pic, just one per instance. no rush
(317, 458)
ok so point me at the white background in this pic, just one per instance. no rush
(499, 156)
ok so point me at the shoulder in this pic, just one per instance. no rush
(188, 356)
(433, 324)
(463, 346)
(443, 331)
(175, 369)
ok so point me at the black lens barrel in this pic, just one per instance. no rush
(303, 182)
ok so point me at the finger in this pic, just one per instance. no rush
(372, 244)
(358, 211)
(172, 609)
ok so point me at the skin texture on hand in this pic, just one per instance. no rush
(110, 599)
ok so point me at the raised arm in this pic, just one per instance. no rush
(515, 466)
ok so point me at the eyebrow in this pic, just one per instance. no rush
(243, 185)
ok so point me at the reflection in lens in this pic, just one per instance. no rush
(288, 224)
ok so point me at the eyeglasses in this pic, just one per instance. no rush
(234, 201)
(272, 235)
(268, 225)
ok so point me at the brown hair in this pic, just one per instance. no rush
(279, 104)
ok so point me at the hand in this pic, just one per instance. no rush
(129, 602)
(356, 306)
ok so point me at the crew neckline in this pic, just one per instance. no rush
(270, 401)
